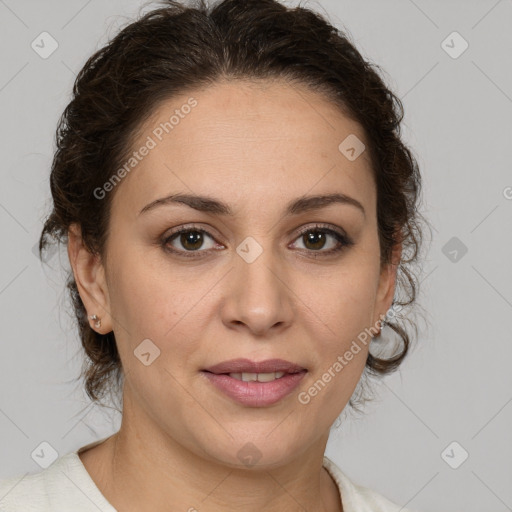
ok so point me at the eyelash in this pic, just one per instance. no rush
(341, 238)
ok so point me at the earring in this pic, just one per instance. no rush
(383, 324)
(96, 320)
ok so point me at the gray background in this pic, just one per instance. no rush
(455, 386)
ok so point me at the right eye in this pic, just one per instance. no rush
(191, 240)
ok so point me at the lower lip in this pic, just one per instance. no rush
(256, 394)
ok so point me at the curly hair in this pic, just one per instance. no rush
(176, 48)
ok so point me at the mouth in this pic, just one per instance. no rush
(255, 384)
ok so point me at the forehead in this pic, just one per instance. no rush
(244, 139)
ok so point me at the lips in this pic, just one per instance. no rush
(248, 366)
(255, 384)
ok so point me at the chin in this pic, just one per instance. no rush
(255, 452)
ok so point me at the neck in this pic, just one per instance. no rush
(137, 471)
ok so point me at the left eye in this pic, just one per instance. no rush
(316, 239)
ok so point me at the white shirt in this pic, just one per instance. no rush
(67, 486)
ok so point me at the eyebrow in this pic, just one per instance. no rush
(295, 207)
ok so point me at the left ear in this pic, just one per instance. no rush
(387, 284)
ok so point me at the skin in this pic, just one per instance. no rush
(255, 146)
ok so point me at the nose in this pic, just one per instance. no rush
(258, 298)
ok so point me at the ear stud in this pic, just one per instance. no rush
(96, 320)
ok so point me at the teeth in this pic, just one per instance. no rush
(260, 377)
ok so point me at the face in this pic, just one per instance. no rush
(249, 277)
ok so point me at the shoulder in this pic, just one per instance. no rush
(356, 498)
(63, 486)
(27, 492)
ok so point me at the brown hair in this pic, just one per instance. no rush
(177, 48)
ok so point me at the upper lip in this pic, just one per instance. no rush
(248, 366)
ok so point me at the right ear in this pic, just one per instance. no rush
(90, 279)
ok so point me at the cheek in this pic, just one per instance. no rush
(347, 339)
(342, 341)
(339, 321)
(344, 300)
(150, 303)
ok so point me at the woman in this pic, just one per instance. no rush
(239, 212)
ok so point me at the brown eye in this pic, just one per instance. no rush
(191, 240)
(188, 240)
(314, 239)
